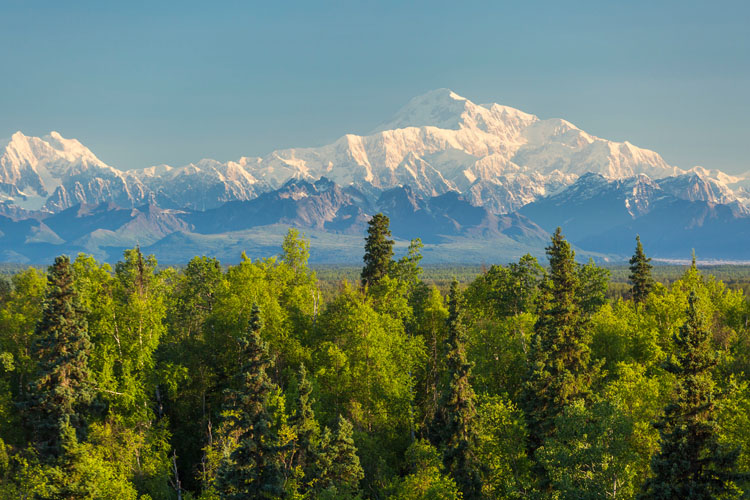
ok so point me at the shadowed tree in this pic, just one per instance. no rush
(61, 392)
(253, 470)
(339, 470)
(306, 429)
(559, 371)
(454, 428)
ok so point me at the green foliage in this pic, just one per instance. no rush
(129, 362)
(590, 456)
(502, 432)
(429, 325)
(733, 419)
(365, 359)
(691, 463)
(407, 269)
(592, 287)
(426, 478)
(295, 251)
(533, 383)
(622, 334)
(19, 316)
(502, 314)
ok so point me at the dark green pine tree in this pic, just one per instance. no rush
(691, 464)
(453, 429)
(559, 370)
(61, 393)
(378, 250)
(640, 274)
(307, 430)
(339, 470)
(253, 469)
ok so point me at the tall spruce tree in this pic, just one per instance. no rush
(253, 470)
(339, 470)
(306, 429)
(559, 370)
(378, 250)
(691, 464)
(454, 429)
(640, 274)
(61, 393)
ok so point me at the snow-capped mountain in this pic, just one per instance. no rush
(500, 157)
(496, 156)
(55, 173)
(471, 180)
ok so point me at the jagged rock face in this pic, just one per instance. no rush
(201, 186)
(298, 202)
(695, 187)
(496, 156)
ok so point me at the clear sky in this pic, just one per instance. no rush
(144, 83)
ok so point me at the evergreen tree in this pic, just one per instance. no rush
(306, 429)
(453, 428)
(5, 290)
(61, 392)
(640, 274)
(691, 464)
(253, 470)
(378, 250)
(559, 371)
(339, 470)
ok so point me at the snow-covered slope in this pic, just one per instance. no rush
(499, 156)
(55, 173)
(496, 156)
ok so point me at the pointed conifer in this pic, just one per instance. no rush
(454, 429)
(559, 370)
(339, 470)
(640, 274)
(61, 393)
(691, 465)
(378, 250)
(253, 470)
(306, 429)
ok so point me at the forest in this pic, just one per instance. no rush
(249, 382)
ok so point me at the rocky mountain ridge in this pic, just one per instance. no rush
(496, 156)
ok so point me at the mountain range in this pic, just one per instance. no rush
(475, 182)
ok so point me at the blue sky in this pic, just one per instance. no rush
(144, 83)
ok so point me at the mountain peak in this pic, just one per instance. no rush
(442, 93)
(16, 140)
(51, 147)
(441, 108)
